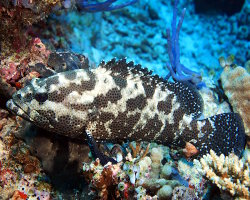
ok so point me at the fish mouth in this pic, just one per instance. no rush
(18, 106)
(18, 110)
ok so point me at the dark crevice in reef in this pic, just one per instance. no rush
(228, 7)
(60, 156)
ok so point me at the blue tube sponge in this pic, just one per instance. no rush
(108, 5)
(177, 70)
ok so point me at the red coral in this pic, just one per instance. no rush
(22, 195)
(10, 73)
(18, 195)
(38, 51)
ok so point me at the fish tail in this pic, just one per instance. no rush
(223, 133)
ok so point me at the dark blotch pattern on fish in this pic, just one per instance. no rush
(137, 102)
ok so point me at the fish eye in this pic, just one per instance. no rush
(28, 97)
(41, 97)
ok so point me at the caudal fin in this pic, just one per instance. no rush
(223, 133)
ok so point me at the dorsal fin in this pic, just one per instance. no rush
(123, 68)
(187, 94)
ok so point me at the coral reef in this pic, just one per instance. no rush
(195, 180)
(15, 70)
(137, 177)
(236, 84)
(21, 175)
(35, 61)
(229, 173)
(16, 20)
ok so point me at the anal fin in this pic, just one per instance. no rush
(96, 153)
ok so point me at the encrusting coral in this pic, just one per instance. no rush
(229, 173)
(236, 84)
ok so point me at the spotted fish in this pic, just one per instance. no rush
(122, 101)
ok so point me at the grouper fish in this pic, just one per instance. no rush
(120, 101)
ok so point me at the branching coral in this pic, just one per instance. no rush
(177, 70)
(229, 173)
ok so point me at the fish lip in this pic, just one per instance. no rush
(14, 108)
